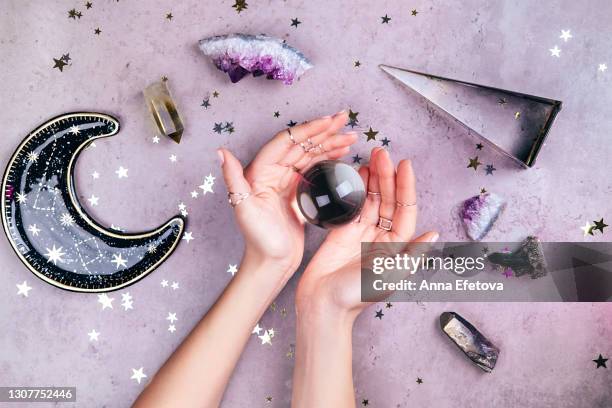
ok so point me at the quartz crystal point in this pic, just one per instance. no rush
(513, 123)
(241, 54)
(480, 212)
(528, 259)
(473, 343)
(163, 109)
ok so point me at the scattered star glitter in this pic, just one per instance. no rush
(474, 163)
(371, 134)
(600, 362)
(240, 5)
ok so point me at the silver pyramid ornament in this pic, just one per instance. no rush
(513, 123)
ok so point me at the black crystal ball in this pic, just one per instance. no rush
(330, 194)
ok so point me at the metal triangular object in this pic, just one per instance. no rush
(513, 123)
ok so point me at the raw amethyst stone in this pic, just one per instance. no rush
(241, 54)
(480, 212)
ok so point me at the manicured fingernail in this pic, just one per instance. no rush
(221, 158)
(340, 113)
(434, 237)
(326, 117)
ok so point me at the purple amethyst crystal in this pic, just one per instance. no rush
(479, 214)
(241, 54)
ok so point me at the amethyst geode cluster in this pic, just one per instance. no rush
(243, 54)
(479, 214)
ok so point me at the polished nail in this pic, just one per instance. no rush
(434, 237)
(221, 158)
(340, 113)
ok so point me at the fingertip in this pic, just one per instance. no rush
(221, 156)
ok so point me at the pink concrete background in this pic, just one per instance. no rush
(546, 349)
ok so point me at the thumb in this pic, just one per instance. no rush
(233, 173)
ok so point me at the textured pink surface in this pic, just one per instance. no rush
(546, 349)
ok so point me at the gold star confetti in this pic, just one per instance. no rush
(291, 352)
(599, 225)
(215, 94)
(517, 115)
(169, 16)
(59, 64)
(371, 134)
(414, 12)
(357, 64)
(268, 399)
(474, 163)
(240, 5)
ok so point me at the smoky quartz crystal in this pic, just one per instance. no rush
(469, 340)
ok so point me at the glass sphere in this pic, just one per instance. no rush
(330, 194)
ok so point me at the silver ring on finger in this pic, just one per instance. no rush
(374, 193)
(236, 198)
(291, 136)
(384, 223)
(400, 204)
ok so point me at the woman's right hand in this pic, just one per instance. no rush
(273, 231)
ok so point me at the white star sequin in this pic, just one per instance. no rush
(171, 328)
(155, 139)
(194, 194)
(182, 206)
(175, 285)
(54, 255)
(75, 130)
(138, 375)
(164, 283)
(95, 175)
(232, 269)
(121, 172)
(210, 179)
(256, 330)
(93, 200)
(206, 188)
(105, 301)
(173, 158)
(119, 261)
(555, 52)
(34, 229)
(587, 229)
(152, 248)
(602, 67)
(93, 335)
(23, 288)
(266, 338)
(565, 35)
(188, 236)
(126, 301)
(172, 317)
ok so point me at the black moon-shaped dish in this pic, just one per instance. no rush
(50, 231)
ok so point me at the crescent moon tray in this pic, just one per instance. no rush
(52, 233)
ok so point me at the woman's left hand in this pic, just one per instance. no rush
(267, 218)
